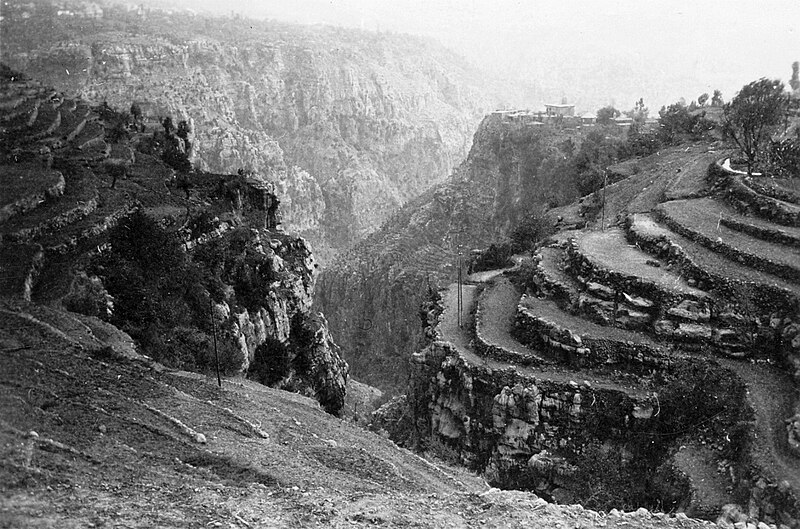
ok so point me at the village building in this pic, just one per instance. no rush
(562, 109)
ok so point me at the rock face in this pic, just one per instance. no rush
(350, 124)
(568, 439)
(284, 322)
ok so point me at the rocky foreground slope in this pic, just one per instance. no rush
(652, 362)
(350, 124)
(92, 434)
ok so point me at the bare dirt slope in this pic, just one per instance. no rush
(95, 436)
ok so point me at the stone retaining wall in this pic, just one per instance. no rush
(31, 201)
(763, 317)
(745, 199)
(771, 191)
(759, 263)
(632, 303)
(539, 281)
(81, 210)
(582, 266)
(776, 236)
(601, 309)
(583, 351)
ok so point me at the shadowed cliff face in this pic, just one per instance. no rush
(351, 124)
(372, 294)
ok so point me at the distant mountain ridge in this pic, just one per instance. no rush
(351, 124)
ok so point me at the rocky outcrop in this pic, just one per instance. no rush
(350, 124)
(282, 335)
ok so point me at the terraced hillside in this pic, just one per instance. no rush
(372, 293)
(654, 362)
(69, 177)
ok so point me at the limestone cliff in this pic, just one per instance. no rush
(350, 124)
(279, 338)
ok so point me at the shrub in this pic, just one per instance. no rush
(641, 144)
(272, 362)
(88, 296)
(674, 121)
(783, 158)
(529, 232)
(202, 223)
(493, 257)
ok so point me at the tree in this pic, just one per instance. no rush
(168, 125)
(703, 99)
(674, 120)
(176, 158)
(136, 112)
(606, 115)
(752, 114)
(639, 113)
(716, 99)
(116, 171)
(183, 132)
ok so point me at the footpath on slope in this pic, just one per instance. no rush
(461, 338)
(773, 395)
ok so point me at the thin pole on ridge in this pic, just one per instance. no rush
(605, 183)
(459, 297)
(214, 329)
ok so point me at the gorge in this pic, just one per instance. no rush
(568, 320)
(350, 124)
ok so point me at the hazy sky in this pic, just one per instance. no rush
(593, 51)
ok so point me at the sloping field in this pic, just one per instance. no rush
(25, 185)
(702, 220)
(707, 259)
(90, 436)
(610, 250)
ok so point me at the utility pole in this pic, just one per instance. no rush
(460, 293)
(605, 183)
(214, 330)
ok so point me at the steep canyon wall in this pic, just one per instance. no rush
(350, 124)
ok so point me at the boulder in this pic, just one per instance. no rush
(691, 310)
